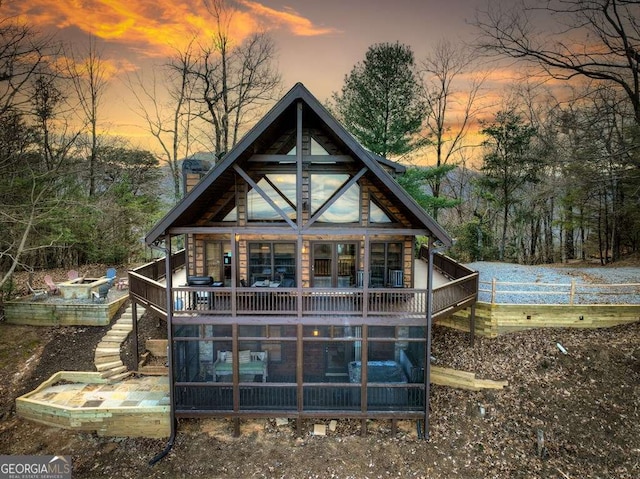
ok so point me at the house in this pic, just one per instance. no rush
(301, 297)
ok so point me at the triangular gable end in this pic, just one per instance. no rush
(280, 119)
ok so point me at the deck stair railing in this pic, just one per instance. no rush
(459, 293)
(145, 286)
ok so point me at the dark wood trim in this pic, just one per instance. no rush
(285, 229)
(317, 159)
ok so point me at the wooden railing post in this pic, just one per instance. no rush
(572, 293)
(493, 291)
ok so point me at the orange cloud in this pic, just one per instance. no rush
(156, 27)
(290, 19)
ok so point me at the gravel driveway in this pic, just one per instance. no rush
(552, 284)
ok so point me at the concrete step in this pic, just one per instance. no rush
(103, 366)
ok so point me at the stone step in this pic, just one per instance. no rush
(106, 359)
(105, 343)
(102, 352)
(110, 373)
(115, 336)
(122, 327)
(103, 366)
(120, 376)
(154, 370)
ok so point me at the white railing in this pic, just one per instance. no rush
(502, 292)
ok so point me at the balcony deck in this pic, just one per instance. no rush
(307, 304)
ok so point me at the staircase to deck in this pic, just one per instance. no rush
(107, 356)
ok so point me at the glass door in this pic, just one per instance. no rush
(218, 261)
(334, 265)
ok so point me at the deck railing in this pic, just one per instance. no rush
(304, 301)
(462, 291)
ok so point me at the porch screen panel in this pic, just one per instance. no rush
(328, 350)
(196, 349)
(263, 382)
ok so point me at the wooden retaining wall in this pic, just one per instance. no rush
(135, 421)
(43, 313)
(495, 319)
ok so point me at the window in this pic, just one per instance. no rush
(377, 214)
(275, 262)
(334, 265)
(386, 265)
(281, 189)
(345, 209)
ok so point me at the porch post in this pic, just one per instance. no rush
(170, 358)
(427, 368)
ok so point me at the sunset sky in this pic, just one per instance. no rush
(318, 41)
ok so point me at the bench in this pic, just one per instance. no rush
(250, 363)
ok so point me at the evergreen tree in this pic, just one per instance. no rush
(380, 100)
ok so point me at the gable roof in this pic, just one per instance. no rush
(202, 195)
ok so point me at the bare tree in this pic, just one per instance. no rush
(90, 82)
(596, 39)
(26, 177)
(170, 122)
(22, 53)
(450, 111)
(232, 81)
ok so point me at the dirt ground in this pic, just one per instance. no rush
(586, 403)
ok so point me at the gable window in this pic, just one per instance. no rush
(281, 189)
(377, 214)
(345, 209)
(272, 262)
(334, 265)
(386, 265)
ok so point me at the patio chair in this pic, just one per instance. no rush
(73, 274)
(53, 287)
(101, 295)
(37, 293)
(123, 283)
(111, 275)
